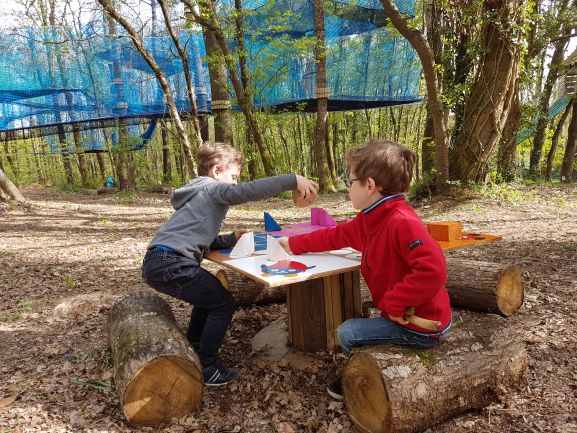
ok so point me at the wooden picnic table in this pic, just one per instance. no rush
(323, 289)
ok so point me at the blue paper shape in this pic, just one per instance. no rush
(270, 225)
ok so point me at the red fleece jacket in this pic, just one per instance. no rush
(402, 264)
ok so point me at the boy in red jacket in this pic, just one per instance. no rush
(404, 267)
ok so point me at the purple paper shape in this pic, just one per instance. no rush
(320, 217)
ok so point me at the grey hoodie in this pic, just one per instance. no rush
(201, 207)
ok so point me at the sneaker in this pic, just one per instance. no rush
(217, 375)
(335, 389)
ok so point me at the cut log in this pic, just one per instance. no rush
(484, 286)
(157, 374)
(391, 389)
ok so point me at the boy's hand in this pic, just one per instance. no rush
(399, 319)
(239, 233)
(285, 244)
(307, 188)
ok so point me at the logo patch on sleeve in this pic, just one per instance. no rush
(415, 244)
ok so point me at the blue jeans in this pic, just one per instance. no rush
(379, 330)
(213, 306)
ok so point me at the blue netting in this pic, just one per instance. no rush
(89, 79)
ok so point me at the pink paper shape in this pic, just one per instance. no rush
(320, 217)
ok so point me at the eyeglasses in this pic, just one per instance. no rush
(348, 181)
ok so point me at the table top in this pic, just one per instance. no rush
(298, 268)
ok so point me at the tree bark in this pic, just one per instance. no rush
(320, 137)
(484, 286)
(508, 142)
(221, 107)
(488, 103)
(157, 374)
(101, 166)
(555, 141)
(570, 147)
(9, 188)
(392, 389)
(166, 159)
(435, 106)
(544, 100)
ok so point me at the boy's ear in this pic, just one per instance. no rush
(214, 171)
(371, 185)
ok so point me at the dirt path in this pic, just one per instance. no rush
(55, 365)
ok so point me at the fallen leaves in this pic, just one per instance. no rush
(56, 368)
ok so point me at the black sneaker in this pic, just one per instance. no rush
(217, 375)
(335, 389)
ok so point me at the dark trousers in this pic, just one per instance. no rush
(213, 306)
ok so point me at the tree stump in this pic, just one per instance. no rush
(392, 389)
(157, 374)
(484, 286)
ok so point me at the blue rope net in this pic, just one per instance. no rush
(50, 80)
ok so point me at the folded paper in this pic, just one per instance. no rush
(244, 246)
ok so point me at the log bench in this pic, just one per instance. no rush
(394, 389)
(158, 376)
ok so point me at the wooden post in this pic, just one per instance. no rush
(317, 307)
(394, 389)
(157, 374)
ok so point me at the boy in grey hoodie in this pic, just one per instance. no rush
(172, 262)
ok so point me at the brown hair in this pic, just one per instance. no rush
(211, 154)
(388, 163)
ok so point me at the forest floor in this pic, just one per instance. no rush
(66, 257)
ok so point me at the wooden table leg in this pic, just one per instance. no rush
(317, 307)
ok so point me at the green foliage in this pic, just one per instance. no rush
(422, 189)
(24, 306)
(106, 223)
(69, 282)
(96, 384)
(125, 197)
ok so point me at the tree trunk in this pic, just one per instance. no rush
(101, 166)
(570, 147)
(488, 103)
(9, 188)
(323, 173)
(508, 142)
(245, 290)
(82, 165)
(544, 100)
(484, 286)
(559, 47)
(208, 20)
(434, 103)
(555, 141)
(428, 148)
(157, 374)
(124, 169)
(392, 389)
(166, 159)
(220, 105)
